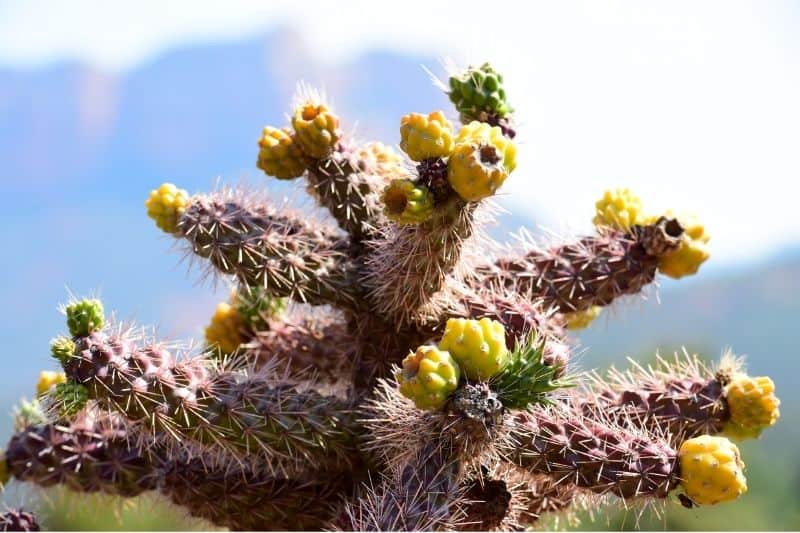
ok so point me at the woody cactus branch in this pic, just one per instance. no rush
(194, 400)
(90, 457)
(592, 271)
(261, 246)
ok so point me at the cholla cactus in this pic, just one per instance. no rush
(384, 370)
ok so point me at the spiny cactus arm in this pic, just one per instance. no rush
(348, 182)
(318, 347)
(262, 246)
(510, 499)
(686, 397)
(87, 458)
(607, 458)
(82, 457)
(417, 496)
(600, 457)
(344, 179)
(407, 266)
(194, 399)
(251, 500)
(592, 271)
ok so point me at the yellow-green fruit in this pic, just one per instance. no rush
(752, 404)
(619, 209)
(165, 205)
(62, 348)
(479, 346)
(316, 129)
(279, 155)
(424, 137)
(690, 254)
(481, 161)
(483, 133)
(711, 470)
(581, 319)
(406, 202)
(49, 379)
(428, 377)
(225, 329)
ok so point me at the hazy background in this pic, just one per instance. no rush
(693, 105)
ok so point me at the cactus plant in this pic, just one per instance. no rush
(386, 369)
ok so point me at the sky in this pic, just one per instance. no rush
(694, 105)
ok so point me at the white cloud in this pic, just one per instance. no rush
(693, 104)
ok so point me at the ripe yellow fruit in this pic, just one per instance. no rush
(380, 154)
(619, 209)
(316, 129)
(225, 329)
(711, 470)
(753, 405)
(481, 161)
(692, 252)
(581, 319)
(406, 202)
(428, 377)
(479, 346)
(279, 154)
(425, 137)
(165, 205)
(49, 379)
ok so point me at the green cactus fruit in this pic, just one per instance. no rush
(84, 317)
(62, 348)
(479, 346)
(478, 93)
(428, 377)
(405, 202)
(70, 398)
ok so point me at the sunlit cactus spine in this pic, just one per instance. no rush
(382, 366)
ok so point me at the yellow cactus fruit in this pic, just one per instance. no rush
(581, 319)
(49, 379)
(619, 209)
(711, 470)
(428, 377)
(165, 205)
(752, 404)
(690, 254)
(425, 137)
(225, 329)
(380, 154)
(479, 346)
(279, 155)
(481, 161)
(406, 202)
(316, 129)
(482, 133)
